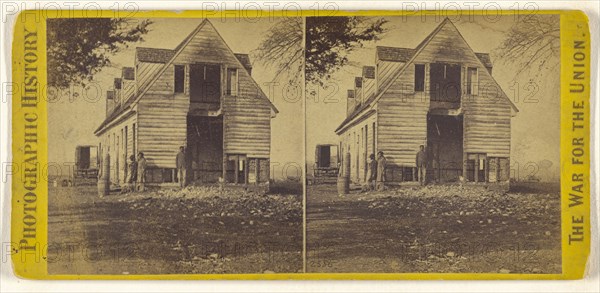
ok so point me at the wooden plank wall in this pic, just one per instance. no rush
(113, 142)
(247, 116)
(162, 128)
(163, 115)
(368, 88)
(359, 144)
(384, 71)
(402, 121)
(144, 72)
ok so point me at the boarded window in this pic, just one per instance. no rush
(445, 82)
(232, 82)
(179, 78)
(472, 81)
(503, 169)
(419, 77)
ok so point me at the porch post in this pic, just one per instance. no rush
(237, 170)
(246, 165)
(476, 169)
(464, 166)
(256, 171)
(224, 168)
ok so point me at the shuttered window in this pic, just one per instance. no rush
(232, 82)
(419, 77)
(472, 81)
(179, 78)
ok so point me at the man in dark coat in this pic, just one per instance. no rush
(381, 162)
(181, 168)
(421, 161)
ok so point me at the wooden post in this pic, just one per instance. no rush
(476, 175)
(237, 170)
(224, 168)
(485, 170)
(256, 171)
(464, 166)
(246, 171)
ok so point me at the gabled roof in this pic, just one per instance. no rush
(245, 60)
(154, 55)
(394, 54)
(397, 54)
(485, 59)
(160, 56)
(401, 54)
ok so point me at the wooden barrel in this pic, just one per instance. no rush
(343, 185)
(103, 188)
(104, 178)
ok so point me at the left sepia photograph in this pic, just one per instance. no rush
(176, 146)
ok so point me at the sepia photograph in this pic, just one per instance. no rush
(433, 144)
(176, 146)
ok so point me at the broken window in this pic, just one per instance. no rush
(445, 82)
(472, 81)
(476, 167)
(205, 83)
(179, 78)
(499, 169)
(419, 77)
(232, 82)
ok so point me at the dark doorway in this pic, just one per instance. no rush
(324, 156)
(205, 83)
(445, 147)
(445, 83)
(205, 148)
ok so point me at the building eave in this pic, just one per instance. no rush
(365, 113)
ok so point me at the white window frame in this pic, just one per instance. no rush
(235, 87)
(473, 87)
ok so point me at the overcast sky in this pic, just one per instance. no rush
(72, 122)
(535, 129)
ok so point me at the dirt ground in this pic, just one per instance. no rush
(200, 230)
(435, 229)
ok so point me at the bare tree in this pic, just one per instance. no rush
(282, 49)
(533, 44)
(328, 42)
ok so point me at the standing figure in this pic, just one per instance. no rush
(381, 162)
(141, 172)
(371, 173)
(180, 165)
(421, 161)
(131, 174)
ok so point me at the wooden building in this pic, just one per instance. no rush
(441, 95)
(200, 95)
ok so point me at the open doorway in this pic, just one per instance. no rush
(445, 83)
(205, 148)
(205, 83)
(445, 147)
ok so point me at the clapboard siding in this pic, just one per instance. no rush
(144, 73)
(358, 141)
(161, 115)
(385, 70)
(247, 116)
(162, 127)
(402, 121)
(113, 141)
(368, 89)
(401, 113)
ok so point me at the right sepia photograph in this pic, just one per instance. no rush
(433, 144)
